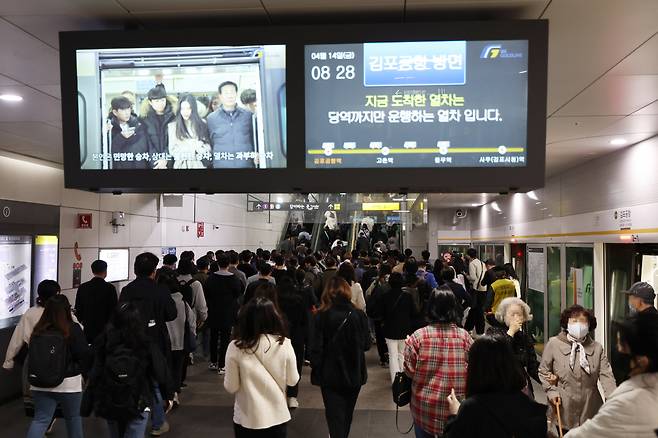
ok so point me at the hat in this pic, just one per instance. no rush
(157, 92)
(643, 290)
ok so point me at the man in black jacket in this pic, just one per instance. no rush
(156, 308)
(222, 292)
(95, 301)
(159, 115)
(127, 136)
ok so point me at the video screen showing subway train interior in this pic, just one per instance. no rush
(182, 108)
(417, 104)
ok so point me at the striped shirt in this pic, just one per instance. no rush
(435, 357)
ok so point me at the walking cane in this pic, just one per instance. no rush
(559, 419)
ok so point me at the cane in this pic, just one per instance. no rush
(559, 419)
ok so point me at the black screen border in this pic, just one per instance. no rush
(296, 178)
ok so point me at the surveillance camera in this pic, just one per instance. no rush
(460, 213)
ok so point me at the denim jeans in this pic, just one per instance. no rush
(157, 410)
(420, 432)
(134, 429)
(45, 404)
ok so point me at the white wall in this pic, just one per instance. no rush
(227, 223)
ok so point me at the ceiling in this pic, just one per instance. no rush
(602, 78)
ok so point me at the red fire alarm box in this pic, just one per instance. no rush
(200, 229)
(84, 220)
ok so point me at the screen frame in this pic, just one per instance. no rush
(295, 178)
(116, 249)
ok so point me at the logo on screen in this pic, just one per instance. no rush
(494, 51)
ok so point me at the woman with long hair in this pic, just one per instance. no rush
(347, 272)
(260, 365)
(495, 405)
(189, 142)
(435, 358)
(337, 358)
(57, 323)
(124, 348)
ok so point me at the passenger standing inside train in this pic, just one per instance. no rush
(511, 318)
(260, 365)
(347, 272)
(189, 144)
(223, 290)
(495, 406)
(435, 358)
(338, 361)
(156, 116)
(641, 298)
(579, 363)
(630, 411)
(295, 313)
(95, 301)
(399, 312)
(56, 333)
(476, 271)
(127, 134)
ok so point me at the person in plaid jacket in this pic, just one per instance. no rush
(435, 358)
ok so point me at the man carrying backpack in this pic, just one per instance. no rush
(156, 308)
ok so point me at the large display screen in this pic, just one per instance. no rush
(46, 256)
(117, 263)
(424, 104)
(180, 108)
(15, 277)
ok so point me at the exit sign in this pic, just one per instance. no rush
(84, 220)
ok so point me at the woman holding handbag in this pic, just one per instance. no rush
(337, 357)
(260, 365)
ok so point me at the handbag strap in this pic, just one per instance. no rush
(340, 327)
(397, 425)
(268, 372)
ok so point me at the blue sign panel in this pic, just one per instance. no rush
(414, 63)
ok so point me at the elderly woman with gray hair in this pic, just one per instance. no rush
(512, 315)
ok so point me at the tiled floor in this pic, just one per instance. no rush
(206, 410)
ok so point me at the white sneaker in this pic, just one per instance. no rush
(212, 366)
(221, 371)
(293, 403)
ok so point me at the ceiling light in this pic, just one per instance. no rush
(11, 97)
(475, 205)
(538, 202)
(523, 71)
(618, 141)
(532, 195)
(495, 206)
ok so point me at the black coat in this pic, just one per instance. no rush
(95, 302)
(369, 275)
(338, 356)
(157, 133)
(222, 293)
(498, 415)
(399, 312)
(135, 144)
(293, 307)
(156, 308)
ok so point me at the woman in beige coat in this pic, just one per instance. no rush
(572, 365)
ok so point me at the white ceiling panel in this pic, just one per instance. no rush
(60, 7)
(614, 95)
(643, 61)
(8, 82)
(571, 128)
(20, 144)
(35, 107)
(450, 200)
(159, 6)
(635, 124)
(588, 37)
(26, 58)
(36, 131)
(51, 90)
(47, 29)
(221, 15)
(649, 109)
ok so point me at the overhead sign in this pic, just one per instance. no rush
(291, 206)
(380, 206)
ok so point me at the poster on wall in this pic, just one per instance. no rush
(537, 269)
(15, 277)
(117, 263)
(45, 260)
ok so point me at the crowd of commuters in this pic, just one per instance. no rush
(257, 318)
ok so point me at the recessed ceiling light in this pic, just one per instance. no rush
(532, 195)
(495, 206)
(618, 141)
(11, 97)
(475, 205)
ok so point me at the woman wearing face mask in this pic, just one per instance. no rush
(631, 411)
(189, 143)
(571, 367)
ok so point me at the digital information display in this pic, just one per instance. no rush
(182, 107)
(15, 277)
(46, 254)
(117, 263)
(416, 104)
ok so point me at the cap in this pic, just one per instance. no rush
(157, 92)
(643, 290)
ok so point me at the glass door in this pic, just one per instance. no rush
(580, 276)
(554, 297)
(536, 292)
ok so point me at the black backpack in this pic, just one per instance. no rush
(187, 292)
(120, 389)
(48, 355)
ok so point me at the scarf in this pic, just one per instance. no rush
(577, 345)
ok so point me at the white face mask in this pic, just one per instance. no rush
(578, 330)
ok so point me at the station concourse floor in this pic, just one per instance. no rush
(206, 410)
